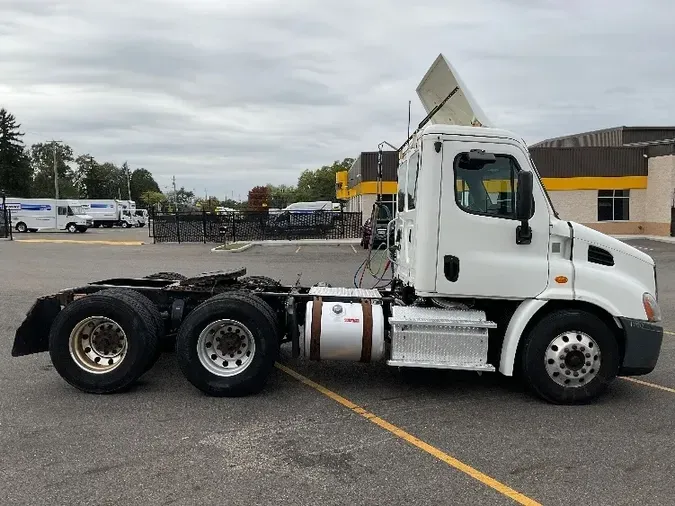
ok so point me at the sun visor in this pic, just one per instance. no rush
(461, 109)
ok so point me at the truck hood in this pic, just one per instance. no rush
(591, 236)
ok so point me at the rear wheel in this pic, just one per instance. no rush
(102, 342)
(570, 356)
(228, 344)
(151, 314)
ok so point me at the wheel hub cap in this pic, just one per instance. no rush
(225, 347)
(572, 359)
(98, 344)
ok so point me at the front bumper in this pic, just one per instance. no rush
(642, 346)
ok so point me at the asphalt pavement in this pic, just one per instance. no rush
(433, 438)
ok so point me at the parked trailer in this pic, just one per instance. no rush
(32, 215)
(486, 277)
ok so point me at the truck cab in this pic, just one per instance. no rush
(476, 229)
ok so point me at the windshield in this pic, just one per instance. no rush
(72, 210)
(548, 197)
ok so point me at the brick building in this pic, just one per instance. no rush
(617, 180)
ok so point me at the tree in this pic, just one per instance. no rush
(42, 161)
(15, 170)
(151, 198)
(182, 197)
(142, 182)
(208, 205)
(232, 204)
(282, 195)
(99, 180)
(319, 184)
(258, 198)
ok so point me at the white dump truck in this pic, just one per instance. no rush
(111, 212)
(486, 277)
(33, 215)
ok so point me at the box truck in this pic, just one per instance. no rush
(110, 212)
(32, 215)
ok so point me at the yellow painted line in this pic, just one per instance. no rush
(73, 241)
(398, 432)
(648, 384)
(669, 332)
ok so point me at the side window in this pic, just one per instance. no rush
(487, 189)
(62, 210)
(413, 171)
(402, 179)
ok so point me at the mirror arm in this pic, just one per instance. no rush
(524, 233)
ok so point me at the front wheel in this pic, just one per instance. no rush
(570, 356)
(125, 224)
(227, 345)
(21, 227)
(72, 228)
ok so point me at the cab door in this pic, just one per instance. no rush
(478, 253)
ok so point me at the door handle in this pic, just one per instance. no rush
(410, 235)
(451, 268)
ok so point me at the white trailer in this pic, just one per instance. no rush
(32, 215)
(486, 277)
(110, 212)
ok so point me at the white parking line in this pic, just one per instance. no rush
(299, 247)
(353, 248)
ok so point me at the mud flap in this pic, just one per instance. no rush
(33, 334)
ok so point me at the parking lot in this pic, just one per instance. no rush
(436, 438)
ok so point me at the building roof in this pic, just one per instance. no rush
(615, 136)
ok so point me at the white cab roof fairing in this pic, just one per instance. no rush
(461, 109)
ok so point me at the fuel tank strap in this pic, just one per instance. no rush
(315, 337)
(367, 337)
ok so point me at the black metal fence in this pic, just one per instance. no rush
(253, 226)
(5, 223)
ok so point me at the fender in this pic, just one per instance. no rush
(521, 317)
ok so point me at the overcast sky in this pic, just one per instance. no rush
(228, 94)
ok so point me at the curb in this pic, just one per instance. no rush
(74, 241)
(236, 250)
(296, 242)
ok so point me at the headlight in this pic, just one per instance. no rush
(652, 309)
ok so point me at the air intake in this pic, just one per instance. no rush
(600, 256)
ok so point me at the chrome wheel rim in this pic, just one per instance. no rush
(226, 347)
(98, 344)
(573, 359)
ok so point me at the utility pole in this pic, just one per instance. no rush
(56, 172)
(175, 195)
(128, 180)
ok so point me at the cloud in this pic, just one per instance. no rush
(227, 94)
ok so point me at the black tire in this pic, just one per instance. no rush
(153, 315)
(71, 227)
(257, 317)
(535, 347)
(82, 230)
(134, 320)
(21, 227)
(171, 276)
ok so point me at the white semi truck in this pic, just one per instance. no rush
(33, 215)
(486, 277)
(111, 212)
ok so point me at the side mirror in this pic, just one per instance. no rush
(524, 207)
(524, 198)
